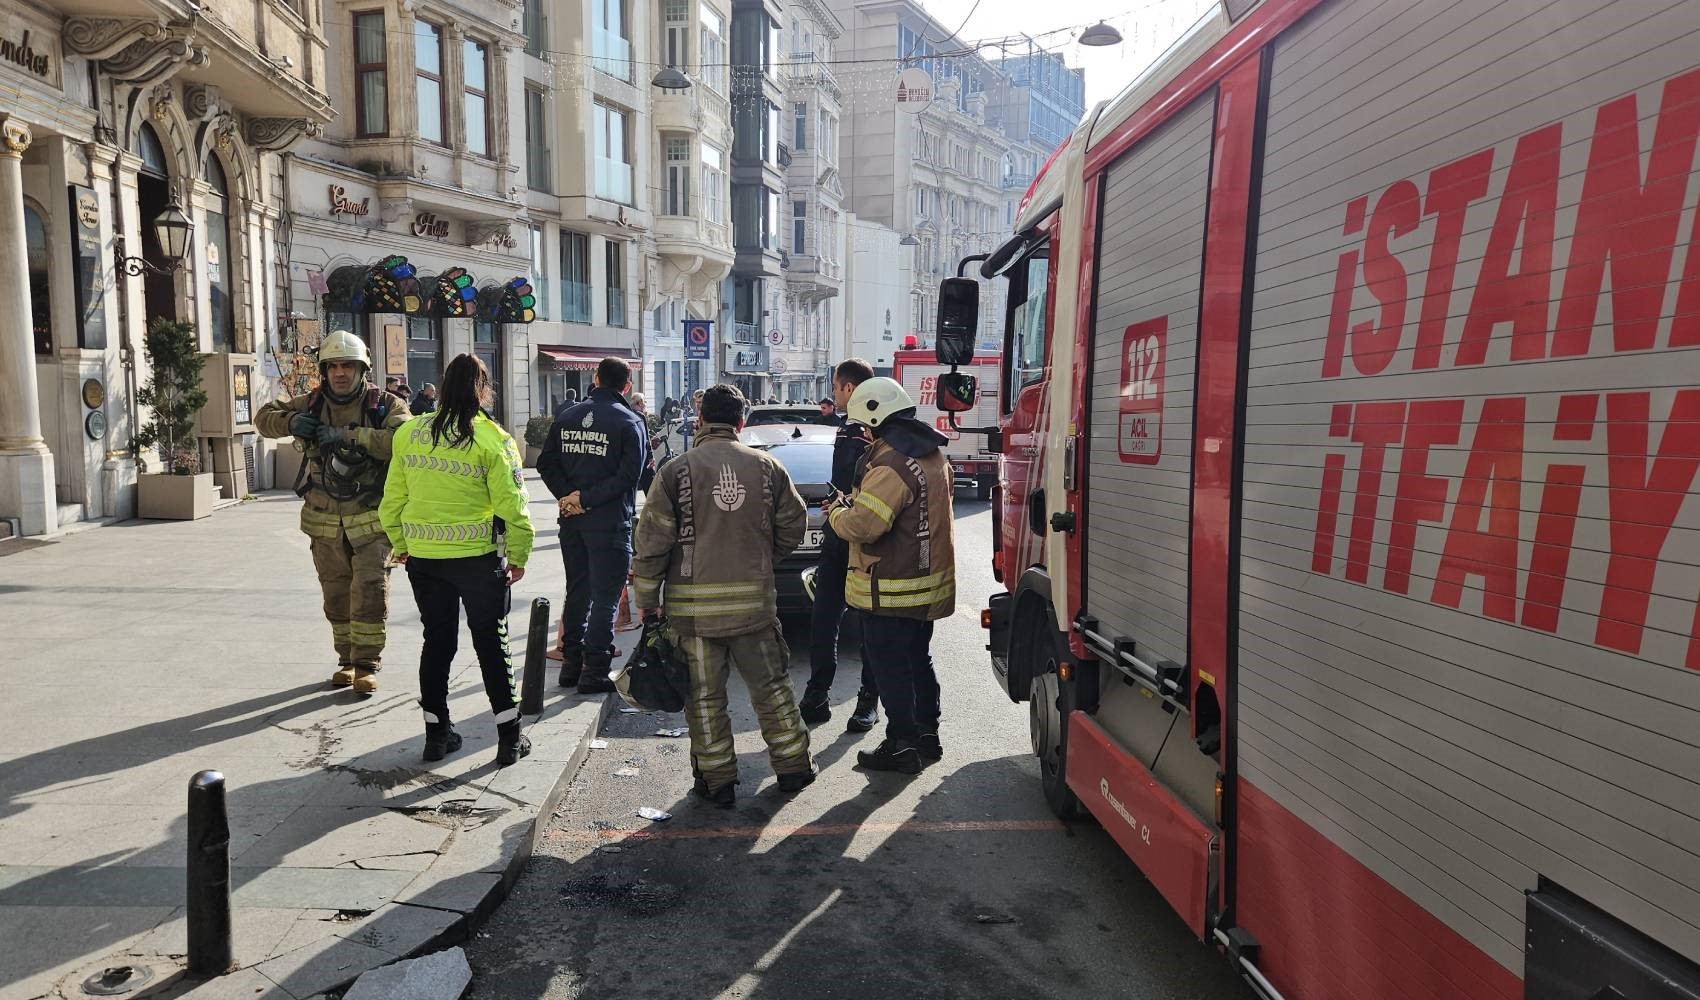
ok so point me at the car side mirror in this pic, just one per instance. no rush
(959, 318)
(956, 392)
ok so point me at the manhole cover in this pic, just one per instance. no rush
(117, 980)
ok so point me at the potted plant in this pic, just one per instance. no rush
(182, 491)
(536, 433)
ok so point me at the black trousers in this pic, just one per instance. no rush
(442, 587)
(901, 651)
(827, 616)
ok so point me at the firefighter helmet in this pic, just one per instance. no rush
(878, 400)
(344, 346)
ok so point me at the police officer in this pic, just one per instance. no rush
(345, 426)
(828, 613)
(902, 567)
(455, 511)
(593, 457)
(713, 525)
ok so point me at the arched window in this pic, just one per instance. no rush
(148, 147)
(221, 264)
(41, 301)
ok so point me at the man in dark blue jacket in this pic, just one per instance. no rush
(834, 566)
(593, 457)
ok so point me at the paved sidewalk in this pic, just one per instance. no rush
(136, 654)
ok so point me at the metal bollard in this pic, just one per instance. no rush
(210, 952)
(536, 649)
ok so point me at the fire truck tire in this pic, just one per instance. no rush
(983, 487)
(1048, 713)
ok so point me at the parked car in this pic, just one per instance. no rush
(805, 450)
(768, 414)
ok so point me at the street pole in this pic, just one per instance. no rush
(536, 648)
(210, 952)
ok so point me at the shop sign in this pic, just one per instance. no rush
(341, 204)
(427, 224)
(87, 277)
(242, 393)
(499, 238)
(20, 52)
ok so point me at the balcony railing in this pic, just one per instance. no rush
(784, 155)
(613, 180)
(613, 54)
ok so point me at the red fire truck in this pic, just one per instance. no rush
(972, 462)
(1349, 431)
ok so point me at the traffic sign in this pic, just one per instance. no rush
(697, 335)
(775, 337)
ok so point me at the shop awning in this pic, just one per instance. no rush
(563, 360)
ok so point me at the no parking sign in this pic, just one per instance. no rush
(697, 334)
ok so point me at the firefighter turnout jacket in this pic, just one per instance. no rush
(373, 417)
(598, 449)
(901, 534)
(715, 521)
(443, 501)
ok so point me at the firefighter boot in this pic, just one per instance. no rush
(440, 737)
(572, 666)
(511, 744)
(595, 679)
(344, 675)
(365, 681)
(813, 707)
(795, 781)
(867, 713)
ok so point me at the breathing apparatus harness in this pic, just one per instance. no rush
(347, 471)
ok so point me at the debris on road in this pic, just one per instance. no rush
(627, 772)
(672, 732)
(630, 711)
(444, 975)
(654, 815)
(598, 744)
(993, 918)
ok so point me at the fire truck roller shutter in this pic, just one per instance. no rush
(1468, 576)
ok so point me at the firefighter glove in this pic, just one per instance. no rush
(330, 434)
(304, 425)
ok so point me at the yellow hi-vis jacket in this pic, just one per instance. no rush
(441, 501)
(902, 536)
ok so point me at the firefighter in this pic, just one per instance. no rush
(345, 426)
(455, 511)
(591, 462)
(902, 567)
(715, 522)
(848, 447)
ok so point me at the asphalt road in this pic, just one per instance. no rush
(957, 883)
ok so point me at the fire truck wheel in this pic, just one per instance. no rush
(1046, 710)
(983, 487)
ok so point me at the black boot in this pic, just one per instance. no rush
(867, 713)
(929, 746)
(813, 708)
(440, 738)
(511, 744)
(796, 781)
(724, 796)
(595, 678)
(891, 755)
(572, 665)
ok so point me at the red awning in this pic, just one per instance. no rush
(562, 360)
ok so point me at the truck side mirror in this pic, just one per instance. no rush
(959, 318)
(956, 392)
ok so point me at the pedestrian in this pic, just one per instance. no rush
(345, 427)
(591, 462)
(827, 616)
(568, 401)
(455, 510)
(688, 428)
(903, 567)
(713, 525)
(426, 400)
(392, 383)
(829, 407)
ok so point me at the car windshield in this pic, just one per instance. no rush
(798, 415)
(807, 463)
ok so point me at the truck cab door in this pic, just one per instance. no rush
(1024, 405)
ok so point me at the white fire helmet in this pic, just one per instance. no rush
(878, 400)
(344, 346)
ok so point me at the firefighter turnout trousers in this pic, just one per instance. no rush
(352, 556)
(760, 658)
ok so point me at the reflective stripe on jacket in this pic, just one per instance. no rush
(441, 501)
(902, 536)
(715, 521)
